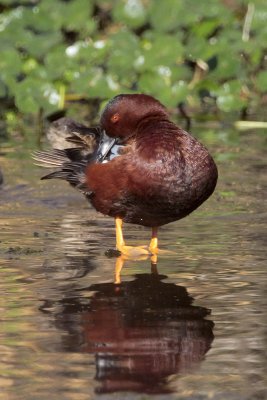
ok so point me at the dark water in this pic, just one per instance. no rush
(194, 327)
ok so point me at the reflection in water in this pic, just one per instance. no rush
(76, 258)
(141, 332)
(70, 266)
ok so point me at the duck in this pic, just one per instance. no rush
(137, 166)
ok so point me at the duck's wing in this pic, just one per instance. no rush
(63, 129)
(83, 146)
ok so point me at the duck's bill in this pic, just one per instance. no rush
(105, 145)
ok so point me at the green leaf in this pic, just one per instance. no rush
(10, 63)
(38, 45)
(57, 63)
(159, 85)
(93, 83)
(161, 50)
(205, 27)
(3, 89)
(32, 94)
(124, 50)
(229, 96)
(132, 13)
(261, 81)
(77, 14)
(165, 16)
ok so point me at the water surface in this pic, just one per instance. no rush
(194, 327)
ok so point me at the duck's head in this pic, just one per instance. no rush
(124, 113)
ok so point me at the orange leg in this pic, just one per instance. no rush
(154, 261)
(153, 246)
(128, 251)
(120, 262)
(118, 268)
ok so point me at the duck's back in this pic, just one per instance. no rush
(176, 178)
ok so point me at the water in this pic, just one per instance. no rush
(195, 328)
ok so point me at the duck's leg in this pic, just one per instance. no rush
(128, 251)
(153, 246)
(118, 268)
(154, 261)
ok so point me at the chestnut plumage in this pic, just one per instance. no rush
(141, 167)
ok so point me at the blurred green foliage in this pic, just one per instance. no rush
(210, 55)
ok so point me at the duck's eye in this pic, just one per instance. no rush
(115, 118)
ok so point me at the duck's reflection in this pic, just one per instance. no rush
(141, 332)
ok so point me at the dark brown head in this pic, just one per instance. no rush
(123, 114)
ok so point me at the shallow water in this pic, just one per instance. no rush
(195, 328)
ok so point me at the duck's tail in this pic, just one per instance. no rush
(64, 166)
(79, 146)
